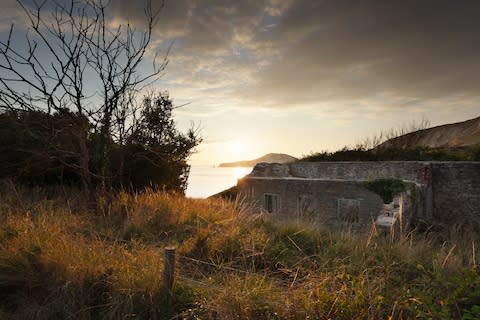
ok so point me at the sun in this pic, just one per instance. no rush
(236, 147)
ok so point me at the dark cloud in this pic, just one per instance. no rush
(353, 49)
(327, 50)
(199, 25)
(173, 15)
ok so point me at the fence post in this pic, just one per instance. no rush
(169, 269)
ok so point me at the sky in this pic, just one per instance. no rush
(298, 76)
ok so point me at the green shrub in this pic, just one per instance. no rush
(386, 188)
(397, 154)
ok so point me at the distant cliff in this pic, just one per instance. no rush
(454, 135)
(269, 158)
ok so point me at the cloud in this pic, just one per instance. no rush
(322, 54)
(333, 50)
(12, 13)
(215, 47)
(171, 18)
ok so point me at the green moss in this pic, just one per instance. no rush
(386, 188)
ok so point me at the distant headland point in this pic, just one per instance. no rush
(268, 158)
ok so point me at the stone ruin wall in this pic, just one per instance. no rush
(447, 192)
(456, 192)
(352, 171)
(321, 199)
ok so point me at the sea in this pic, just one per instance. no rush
(205, 181)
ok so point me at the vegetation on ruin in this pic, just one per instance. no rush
(386, 188)
(59, 261)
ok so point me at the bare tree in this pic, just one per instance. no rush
(71, 58)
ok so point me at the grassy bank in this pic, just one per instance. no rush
(362, 153)
(58, 261)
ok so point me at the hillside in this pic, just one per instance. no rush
(59, 261)
(269, 158)
(454, 135)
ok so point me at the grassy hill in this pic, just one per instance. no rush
(451, 142)
(60, 261)
(454, 135)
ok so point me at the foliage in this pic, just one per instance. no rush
(398, 154)
(57, 261)
(69, 102)
(156, 152)
(39, 148)
(386, 188)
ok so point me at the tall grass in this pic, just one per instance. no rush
(57, 260)
(378, 138)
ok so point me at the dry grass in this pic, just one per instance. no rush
(57, 260)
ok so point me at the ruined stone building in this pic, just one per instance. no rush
(336, 192)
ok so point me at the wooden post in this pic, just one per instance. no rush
(169, 269)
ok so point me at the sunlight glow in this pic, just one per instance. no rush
(237, 147)
(240, 172)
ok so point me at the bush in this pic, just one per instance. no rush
(397, 154)
(386, 188)
(39, 149)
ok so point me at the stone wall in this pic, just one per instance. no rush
(447, 192)
(327, 202)
(456, 192)
(353, 171)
